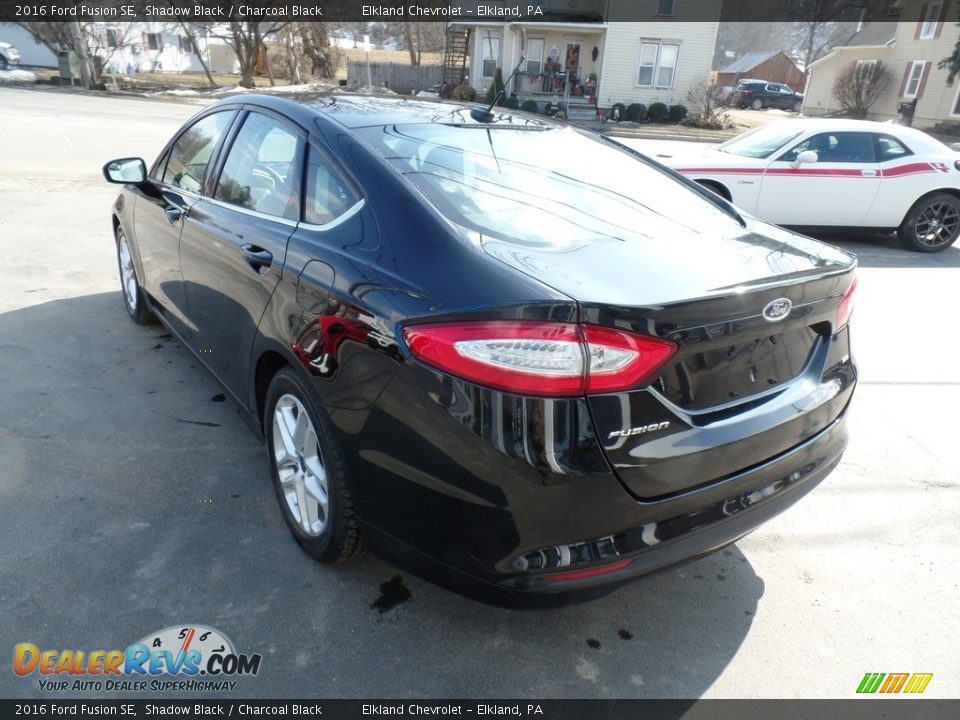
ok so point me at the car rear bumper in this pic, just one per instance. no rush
(444, 503)
(734, 509)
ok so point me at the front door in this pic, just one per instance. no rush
(572, 65)
(838, 189)
(161, 214)
(232, 251)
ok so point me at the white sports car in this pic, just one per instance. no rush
(838, 173)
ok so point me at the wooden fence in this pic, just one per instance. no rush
(399, 77)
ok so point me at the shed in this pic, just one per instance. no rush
(770, 65)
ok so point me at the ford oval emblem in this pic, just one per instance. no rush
(777, 309)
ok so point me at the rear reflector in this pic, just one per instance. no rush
(846, 305)
(539, 358)
(587, 572)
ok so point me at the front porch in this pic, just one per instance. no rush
(561, 62)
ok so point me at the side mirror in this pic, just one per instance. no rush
(125, 170)
(807, 156)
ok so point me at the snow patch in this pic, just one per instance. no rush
(17, 76)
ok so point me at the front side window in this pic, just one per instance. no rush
(658, 64)
(261, 169)
(191, 153)
(928, 26)
(849, 147)
(489, 54)
(328, 196)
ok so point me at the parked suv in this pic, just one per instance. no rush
(759, 94)
(9, 55)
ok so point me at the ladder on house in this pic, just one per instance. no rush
(455, 56)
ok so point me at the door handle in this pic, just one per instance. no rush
(174, 214)
(868, 173)
(256, 256)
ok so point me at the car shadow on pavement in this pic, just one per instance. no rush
(130, 490)
(876, 249)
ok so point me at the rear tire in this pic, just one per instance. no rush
(932, 224)
(309, 473)
(134, 298)
(757, 104)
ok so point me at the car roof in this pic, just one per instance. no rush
(356, 111)
(919, 142)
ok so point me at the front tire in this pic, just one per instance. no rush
(309, 473)
(932, 224)
(798, 106)
(134, 298)
(4, 65)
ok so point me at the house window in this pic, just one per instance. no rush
(186, 44)
(931, 19)
(914, 78)
(153, 41)
(665, 7)
(956, 105)
(489, 54)
(534, 55)
(113, 38)
(658, 63)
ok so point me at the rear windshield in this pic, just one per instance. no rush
(553, 187)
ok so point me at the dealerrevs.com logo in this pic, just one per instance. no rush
(197, 657)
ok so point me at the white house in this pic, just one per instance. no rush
(136, 47)
(596, 53)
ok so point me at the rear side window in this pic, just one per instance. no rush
(889, 148)
(261, 169)
(328, 195)
(191, 153)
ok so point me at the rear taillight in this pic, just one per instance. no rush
(846, 305)
(539, 358)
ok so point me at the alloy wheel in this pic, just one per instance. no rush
(300, 466)
(937, 224)
(128, 273)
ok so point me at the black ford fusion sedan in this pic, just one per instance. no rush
(499, 350)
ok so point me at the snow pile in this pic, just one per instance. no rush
(17, 76)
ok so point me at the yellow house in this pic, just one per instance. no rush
(911, 47)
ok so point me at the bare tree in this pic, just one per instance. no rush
(190, 30)
(707, 99)
(72, 35)
(314, 39)
(413, 47)
(858, 86)
(246, 38)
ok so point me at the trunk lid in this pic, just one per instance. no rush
(742, 387)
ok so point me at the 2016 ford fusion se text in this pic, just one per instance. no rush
(493, 348)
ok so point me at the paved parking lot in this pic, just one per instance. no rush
(132, 499)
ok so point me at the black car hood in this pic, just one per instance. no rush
(676, 266)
